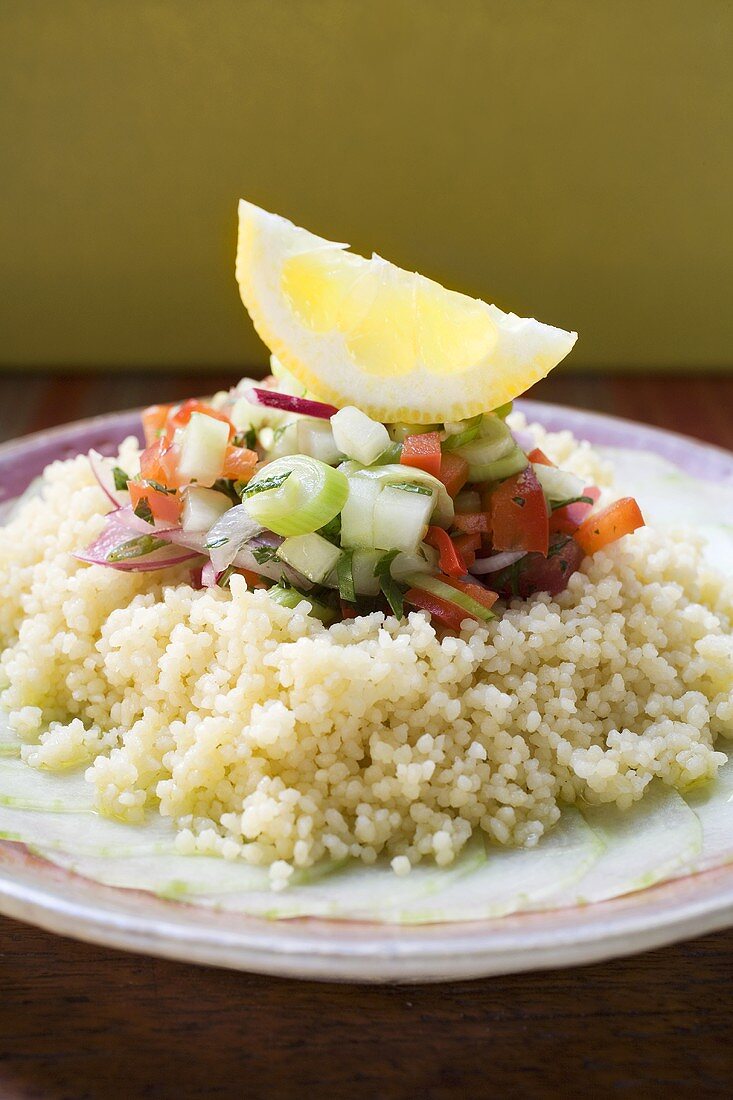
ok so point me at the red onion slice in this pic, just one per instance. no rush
(235, 528)
(495, 562)
(105, 479)
(115, 534)
(289, 403)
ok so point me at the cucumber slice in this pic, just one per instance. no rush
(643, 845)
(87, 833)
(363, 564)
(32, 789)
(502, 468)
(312, 555)
(202, 508)
(712, 804)
(494, 441)
(357, 515)
(315, 438)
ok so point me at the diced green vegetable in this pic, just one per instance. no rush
(400, 431)
(203, 446)
(363, 565)
(558, 485)
(392, 472)
(311, 554)
(315, 438)
(358, 436)
(309, 497)
(345, 575)
(494, 441)
(511, 464)
(291, 597)
(357, 516)
(202, 508)
(401, 518)
(461, 432)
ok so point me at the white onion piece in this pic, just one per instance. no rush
(496, 562)
(237, 527)
(141, 526)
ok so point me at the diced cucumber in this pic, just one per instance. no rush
(245, 414)
(357, 515)
(282, 439)
(358, 436)
(203, 446)
(310, 554)
(494, 441)
(558, 485)
(290, 597)
(425, 560)
(202, 508)
(511, 464)
(401, 518)
(395, 472)
(315, 438)
(363, 563)
(447, 592)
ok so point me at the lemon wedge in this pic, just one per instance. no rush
(367, 333)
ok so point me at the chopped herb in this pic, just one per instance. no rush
(143, 510)
(215, 543)
(571, 500)
(265, 485)
(246, 439)
(411, 487)
(229, 488)
(382, 568)
(159, 487)
(225, 577)
(136, 548)
(277, 433)
(120, 478)
(393, 594)
(332, 530)
(262, 554)
(345, 575)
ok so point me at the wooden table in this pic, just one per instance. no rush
(79, 1021)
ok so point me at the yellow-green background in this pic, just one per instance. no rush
(569, 159)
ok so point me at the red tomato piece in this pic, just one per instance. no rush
(453, 473)
(447, 614)
(254, 580)
(166, 507)
(451, 561)
(472, 523)
(519, 516)
(467, 545)
(239, 463)
(348, 611)
(423, 452)
(159, 462)
(154, 420)
(539, 457)
(537, 573)
(599, 530)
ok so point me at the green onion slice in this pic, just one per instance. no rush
(296, 495)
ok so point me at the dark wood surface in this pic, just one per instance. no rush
(83, 1022)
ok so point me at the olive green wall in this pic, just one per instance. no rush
(569, 159)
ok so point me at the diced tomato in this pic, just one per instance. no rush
(165, 507)
(537, 573)
(539, 457)
(239, 463)
(159, 462)
(181, 416)
(154, 419)
(423, 452)
(599, 530)
(476, 591)
(472, 523)
(519, 516)
(453, 473)
(447, 614)
(569, 518)
(348, 611)
(451, 561)
(467, 545)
